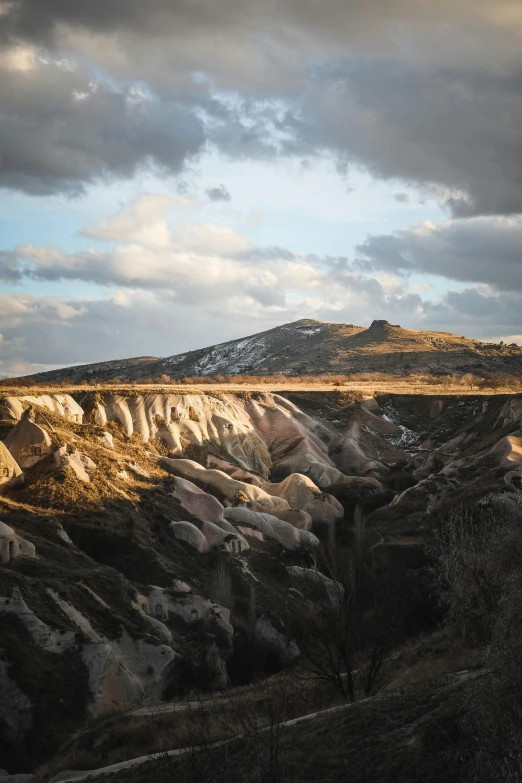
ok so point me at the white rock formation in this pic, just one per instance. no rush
(301, 493)
(11, 409)
(197, 502)
(192, 417)
(511, 413)
(285, 534)
(253, 436)
(220, 484)
(295, 441)
(192, 609)
(10, 471)
(61, 404)
(323, 586)
(509, 449)
(293, 516)
(232, 470)
(50, 639)
(12, 545)
(190, 534)
(124, 672)
(138, 470)
(77, 462)
(209, 536)
(106, 439)
(28, 443)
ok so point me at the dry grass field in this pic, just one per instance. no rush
(392, 385)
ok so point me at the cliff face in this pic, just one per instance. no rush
(314, 347)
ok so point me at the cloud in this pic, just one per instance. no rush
(485, 249)
(450, 130)
(61, 130)
(218, 193)
(245, 25)
(199, 263)
(427, 93)
(143, 222)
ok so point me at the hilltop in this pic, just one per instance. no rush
(315, 347)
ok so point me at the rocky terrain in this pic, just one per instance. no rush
(314, 347)
(158, 545)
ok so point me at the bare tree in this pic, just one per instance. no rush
(353, 623)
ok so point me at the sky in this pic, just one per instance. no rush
(178, 173)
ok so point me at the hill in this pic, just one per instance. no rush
(315, 347)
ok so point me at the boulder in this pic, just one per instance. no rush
(28, 443)
(210, 536)
(138, 470)
(234, 472)
(224, 536)
(106, 440)
(77, 462)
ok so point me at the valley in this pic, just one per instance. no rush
(162, 548)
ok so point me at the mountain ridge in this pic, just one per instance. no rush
(314, 347)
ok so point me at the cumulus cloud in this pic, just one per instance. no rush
(143, 222)
(196, 263)
(486, 250)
